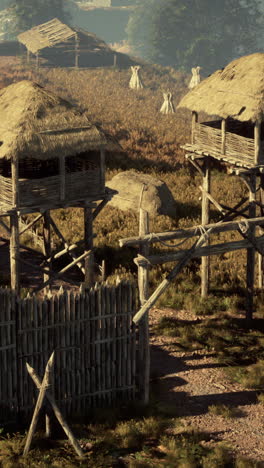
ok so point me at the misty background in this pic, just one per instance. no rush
(177, 33)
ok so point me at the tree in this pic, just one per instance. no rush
(30, 13)
(209, 33)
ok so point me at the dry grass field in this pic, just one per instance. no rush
(151, 143)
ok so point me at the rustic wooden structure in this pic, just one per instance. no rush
(51, 156)
(236, 138)
(44, 392)
(237, 141)
(96, 343)
(63, 45)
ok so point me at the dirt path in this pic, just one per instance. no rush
(192, 381)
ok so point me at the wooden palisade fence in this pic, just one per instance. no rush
(96, 348)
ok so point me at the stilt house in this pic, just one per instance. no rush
(51, 155)
(236, 95)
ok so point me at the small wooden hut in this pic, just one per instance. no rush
(235, 94)
(63, 45)
(51, 156)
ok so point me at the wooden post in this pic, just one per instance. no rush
(62, 177)
(115, 60)
(260, 257)
(205, 220)
(37, 60)
(102, 170)
(194, 121)
(14, 228)
(46, 245)
(143, 285)
(223, 134)
(14, 253)
(28, 56)
(88, 245)
(76, 51)
(257, 141)
(251, 250)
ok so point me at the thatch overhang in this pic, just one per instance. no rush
(236, 91)
(36, 123)
(46, 35)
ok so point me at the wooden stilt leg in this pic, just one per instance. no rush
(88, 245)
(251, 250)
(205, 220)
(46, 245)
(143, 285)
(260, 257)
(14, 253)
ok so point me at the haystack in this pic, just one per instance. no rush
(135, 81)
(167, 106)
(196, 79)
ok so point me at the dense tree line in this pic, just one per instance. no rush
(209, 33)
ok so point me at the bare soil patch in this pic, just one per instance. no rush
(193, 381)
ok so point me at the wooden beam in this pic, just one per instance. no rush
(58, 414)
(15, 182)
(143, 285)
(257, 142)
(66, 245)
(261, 257)
(29, 225)
(212, 200)
(14, 254)
(214, 249)
(251, 250)
(194, 121)
(205, 220)
(46, 244)
(223, 136)
(155, 237)
(99, 208)
(88, 245)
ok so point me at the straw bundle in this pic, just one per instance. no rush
(236, 91)
(167, 106)
(135, 82)
(196, 79)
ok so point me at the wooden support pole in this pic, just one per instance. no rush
(14, 253)
(194, 121)
(37, 60)
(47, 245)
(257, 141)
(261, 257)
(223, 135)
(29, 225)
(62, 177)
(102, 170)
(15, 182)
(42, 391)
(251, 250)
(76, 64)
(88, 245)
(143, 285)
(58, 414)
(205, 220)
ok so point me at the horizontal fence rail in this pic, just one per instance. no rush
(95, 343)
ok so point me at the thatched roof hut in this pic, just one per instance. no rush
(235, 91)
(63, 45)
(37, 123)
(235, 94)
(43, 136)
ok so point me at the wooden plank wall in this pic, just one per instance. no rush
(95, 343)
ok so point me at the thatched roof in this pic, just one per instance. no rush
(55, 32)
(45, 35)
(35, 123)
(236, 91)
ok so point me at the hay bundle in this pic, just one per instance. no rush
(196, 79)
(167, 106)
(135, 82)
